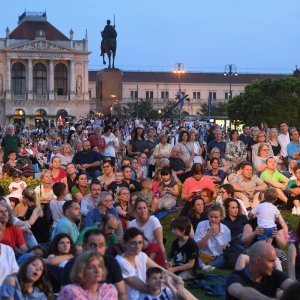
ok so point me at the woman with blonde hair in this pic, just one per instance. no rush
(65, 155)
(87, 275)
(44, 191)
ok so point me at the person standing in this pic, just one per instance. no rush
(11, 142)
(284, 140)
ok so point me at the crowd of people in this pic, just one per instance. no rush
(90, 228)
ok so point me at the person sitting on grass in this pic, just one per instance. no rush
(155, 278)
(184, 251)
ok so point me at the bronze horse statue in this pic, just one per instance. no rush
(109, 44)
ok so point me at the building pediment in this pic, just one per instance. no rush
(40, 45)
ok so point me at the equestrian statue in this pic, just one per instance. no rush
(109, 44)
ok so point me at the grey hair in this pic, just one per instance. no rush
(10, 213)
(120, 190)
(10, 126)
(102, 196)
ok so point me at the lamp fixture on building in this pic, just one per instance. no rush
(230, 71)
(179, 69)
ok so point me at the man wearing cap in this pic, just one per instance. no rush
(10, 142)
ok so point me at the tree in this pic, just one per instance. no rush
(268, 100)
(143, 108)
(220, 109)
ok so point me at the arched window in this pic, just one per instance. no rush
(63, 113)
(39, 79)
(61, 80)
(40, 113)
(18, 79)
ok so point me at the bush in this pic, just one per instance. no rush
(6, 181)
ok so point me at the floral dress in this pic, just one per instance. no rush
(235, 150)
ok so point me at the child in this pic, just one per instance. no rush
(60, 191)
(267, 214)
(12, 158)
(119, 182)
(147, 192)
(17, 186)
(184, 251)
(154, 280)
(168, 190)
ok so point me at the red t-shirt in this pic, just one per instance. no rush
(95, 141)
(154, 248)
(62, 174)
(13, 237)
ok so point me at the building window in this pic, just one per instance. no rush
(226, 95)
(149, 94)
(164, 94)
(39, 79)
(18, 79)
(61, 80)
(196, 95)
(90, 94)
(133, 94)
(213, 95)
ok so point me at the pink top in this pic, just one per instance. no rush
(76, 292)
(191, 184)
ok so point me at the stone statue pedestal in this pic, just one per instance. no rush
(108, 90)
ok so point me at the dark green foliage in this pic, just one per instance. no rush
(268, 100)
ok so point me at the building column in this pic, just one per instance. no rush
(72, 80)
(51, 80)
(85, 86)
(8, 89)
(30, 81)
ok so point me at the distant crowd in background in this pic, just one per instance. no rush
(82, 202)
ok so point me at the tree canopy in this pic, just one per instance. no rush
(268, 100)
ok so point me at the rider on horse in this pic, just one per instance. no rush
(108, 33)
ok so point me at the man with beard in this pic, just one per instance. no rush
(90, 202)
(88, 160)
(10, 142)
(67, 224)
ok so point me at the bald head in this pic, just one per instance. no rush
(260, 249)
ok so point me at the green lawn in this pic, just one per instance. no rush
(166, 223)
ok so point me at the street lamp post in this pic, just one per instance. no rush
(230, 71)
(179, 69)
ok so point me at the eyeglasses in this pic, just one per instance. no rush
(136, 243)
(222, 192)
(124, 193)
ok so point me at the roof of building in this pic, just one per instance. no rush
(169, 77)
(31, 23)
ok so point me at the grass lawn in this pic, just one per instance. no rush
(166, 223)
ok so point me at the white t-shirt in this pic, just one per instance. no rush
(56, 210)
(266, 214)
(8, 264)
(129, 271)
(109, 149)
(18, 192)
(214, 245)
(148, 229)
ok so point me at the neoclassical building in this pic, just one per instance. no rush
(43, 73)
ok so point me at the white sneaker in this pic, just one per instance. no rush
(207, 268)
(294, 211)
